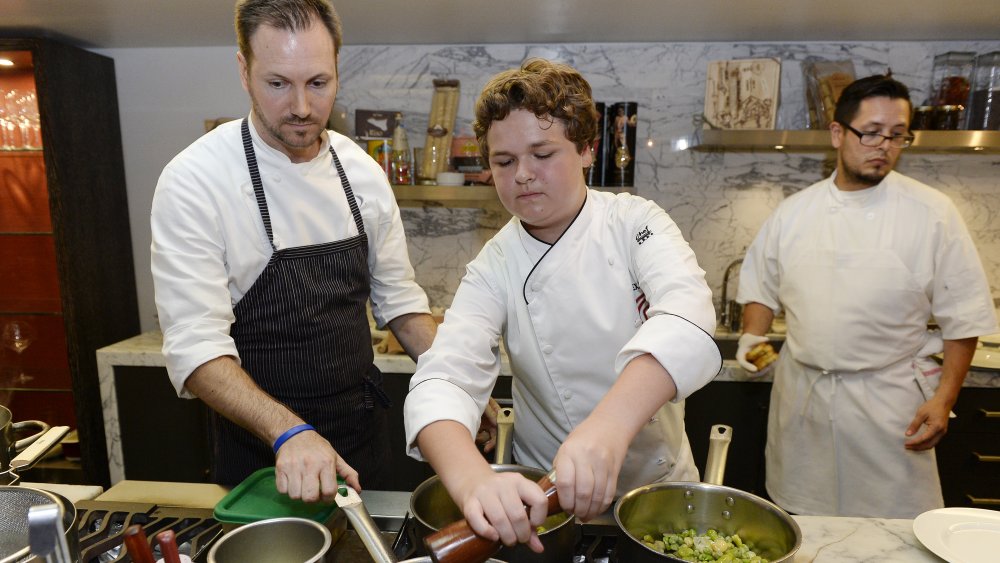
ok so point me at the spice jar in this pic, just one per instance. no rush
(984, 105)
(951, 78)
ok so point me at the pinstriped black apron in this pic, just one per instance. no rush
(303, 336)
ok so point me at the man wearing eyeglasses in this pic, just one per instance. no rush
(861, 263)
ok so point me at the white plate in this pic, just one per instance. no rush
(960, 535)
(985, 358)
(992, 340)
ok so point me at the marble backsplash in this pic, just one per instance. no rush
(719, 199)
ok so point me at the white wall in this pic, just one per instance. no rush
(164, 96)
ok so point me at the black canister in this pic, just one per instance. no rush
(984, 106)
(620, 135)
(923, 118)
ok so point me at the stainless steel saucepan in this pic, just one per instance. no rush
(16, 503)
(674, 507)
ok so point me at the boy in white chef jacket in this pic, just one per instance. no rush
(604, 312)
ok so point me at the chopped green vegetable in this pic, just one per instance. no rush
(710, 546)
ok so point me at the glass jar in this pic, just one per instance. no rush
(984, 104)
(947, 118)
(951, 78)
(922, 118)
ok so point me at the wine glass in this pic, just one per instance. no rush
(18, 336)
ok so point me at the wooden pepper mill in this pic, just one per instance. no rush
(457, 543)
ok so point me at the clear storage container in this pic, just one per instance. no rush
(951, 78)
(984, 104)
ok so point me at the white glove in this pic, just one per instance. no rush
(746, 342)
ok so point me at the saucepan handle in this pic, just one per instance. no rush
(505, 436)
(718, 448)
(25, 442)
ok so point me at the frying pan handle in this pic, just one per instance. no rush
(718, 448)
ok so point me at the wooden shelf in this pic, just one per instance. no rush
(460, 196)
(446, 194)
(808, 140)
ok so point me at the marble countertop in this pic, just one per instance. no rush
(144, 350)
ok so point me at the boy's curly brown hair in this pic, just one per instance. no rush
(547, 89)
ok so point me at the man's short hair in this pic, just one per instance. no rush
(291, 15)
(878, 85)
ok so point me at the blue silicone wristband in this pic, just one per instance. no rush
(289, 433)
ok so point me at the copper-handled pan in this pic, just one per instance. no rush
(350, 502)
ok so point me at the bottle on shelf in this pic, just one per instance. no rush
(400, 171)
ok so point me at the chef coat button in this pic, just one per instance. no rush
(611, 261)
(536, 287)
(660, 461)
(870, 215)
(652, 420)
(567, 395)
(547, 349)
(277, 179)
(638, 322)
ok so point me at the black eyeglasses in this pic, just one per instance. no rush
(898, 140)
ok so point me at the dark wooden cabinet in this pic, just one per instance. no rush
(66, 265)
(969, 454)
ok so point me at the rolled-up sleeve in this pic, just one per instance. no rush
(187, 257)
(678, 332)
(394, 290)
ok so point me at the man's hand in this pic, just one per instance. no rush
(587, 466)
(746, 343)
(933, 417)
(307, 467)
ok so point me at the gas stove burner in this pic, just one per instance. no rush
(596, 543)
(102, 525)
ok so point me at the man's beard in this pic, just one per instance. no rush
(858, 176)
(295, 140)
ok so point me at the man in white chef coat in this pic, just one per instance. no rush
(860, 263)
(603, 310)
(270, 234)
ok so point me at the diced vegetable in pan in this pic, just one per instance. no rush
(710, 546)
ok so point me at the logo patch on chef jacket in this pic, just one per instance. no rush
(642, 235)
(642, 305)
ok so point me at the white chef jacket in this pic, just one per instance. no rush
(619, 283)
(209, 244)
(859, 275)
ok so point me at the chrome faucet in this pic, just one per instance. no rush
(731, 317)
